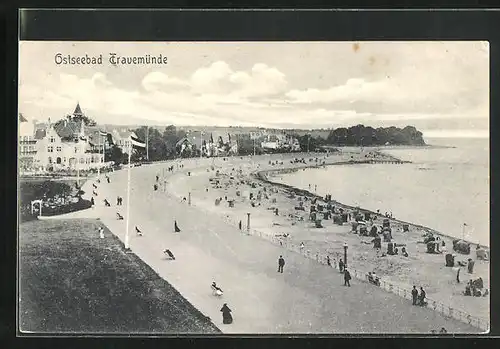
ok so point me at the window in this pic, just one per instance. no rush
(76, 149)
(82, 160)
(58, 148)
(64, 159)
(50, 160)
(92, 159)
(50, 149)
(52, 139)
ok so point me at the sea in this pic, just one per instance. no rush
(446, 187)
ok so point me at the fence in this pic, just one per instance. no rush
(321, 258)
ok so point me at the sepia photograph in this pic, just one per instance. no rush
(213, 188)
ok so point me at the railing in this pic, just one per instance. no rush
(447, 311)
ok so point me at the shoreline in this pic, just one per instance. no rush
(412, 271)
(264, 175)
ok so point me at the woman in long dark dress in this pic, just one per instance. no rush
(226, 314)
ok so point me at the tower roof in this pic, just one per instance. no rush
(78, 110)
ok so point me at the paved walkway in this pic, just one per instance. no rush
(306, 298)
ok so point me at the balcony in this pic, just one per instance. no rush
(30, 142)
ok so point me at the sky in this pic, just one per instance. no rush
(441, 88)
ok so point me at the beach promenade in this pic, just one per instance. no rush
(397, 273)
(306, 298)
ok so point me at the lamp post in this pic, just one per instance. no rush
(345, 255)
(248, 222)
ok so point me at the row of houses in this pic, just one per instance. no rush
(211, 144)
(69, 144)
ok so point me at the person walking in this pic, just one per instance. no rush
(239, 225)
(328, 262)
(281, 264)
(414, 295)
(347, 278)
(470, 266)
(92, 202)
(226, 315)
(458, 274)
(421, 297)
(341, 265)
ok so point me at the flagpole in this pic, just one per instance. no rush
(201, 144)
(104, 150)
(128, 194)
(99, 166)
(147, 143)
(463, 231)
(78, 164)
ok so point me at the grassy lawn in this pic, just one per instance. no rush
(72, 281)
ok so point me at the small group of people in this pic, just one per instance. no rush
(418, 298)
(475, 288)
(119, 201)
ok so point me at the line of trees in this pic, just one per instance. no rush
(361, 135)
(162, 145)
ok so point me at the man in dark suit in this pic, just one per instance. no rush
(281, 264)
(414, 295)
(347, 278)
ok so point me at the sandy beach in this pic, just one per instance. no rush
(307, 298)
(419, 268)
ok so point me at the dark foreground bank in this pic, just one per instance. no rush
(70, 280)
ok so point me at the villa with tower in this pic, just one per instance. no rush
(69, 144)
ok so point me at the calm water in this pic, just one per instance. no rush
(443, 188)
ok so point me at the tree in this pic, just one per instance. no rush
(86, 120)
(361, 135)
(246, 145)
(116, 155)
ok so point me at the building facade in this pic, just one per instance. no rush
(26, 144)
(68, 145)
(121, 139)
(277, 142)
(212, 144)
